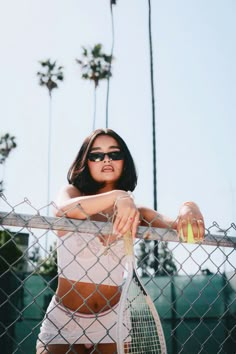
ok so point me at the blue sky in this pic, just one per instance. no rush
(195, 88)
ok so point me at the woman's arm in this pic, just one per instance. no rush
(71, 203)
(189, 213)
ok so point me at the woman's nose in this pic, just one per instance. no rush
(107, 158)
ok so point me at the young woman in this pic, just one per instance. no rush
(81, 317)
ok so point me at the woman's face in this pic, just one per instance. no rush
(105, 168)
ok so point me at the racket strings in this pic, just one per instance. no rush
(145, 331)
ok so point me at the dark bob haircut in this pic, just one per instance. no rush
(79, 174)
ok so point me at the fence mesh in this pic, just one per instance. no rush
(193, 286)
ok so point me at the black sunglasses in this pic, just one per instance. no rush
(99, 156)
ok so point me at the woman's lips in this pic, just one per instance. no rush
(107, 169)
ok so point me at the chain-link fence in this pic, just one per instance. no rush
(193, 286)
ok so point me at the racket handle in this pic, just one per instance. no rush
(128, 240)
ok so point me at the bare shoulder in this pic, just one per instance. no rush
(65, 194)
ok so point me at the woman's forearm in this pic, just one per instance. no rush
(150, 217)
(81, 207)
(189, 214)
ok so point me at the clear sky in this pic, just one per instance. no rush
(195, 87)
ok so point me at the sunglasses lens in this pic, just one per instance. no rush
(116, 155)
(96, 156)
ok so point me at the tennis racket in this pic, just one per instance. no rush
(139, 328)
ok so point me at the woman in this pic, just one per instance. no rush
(81, 317)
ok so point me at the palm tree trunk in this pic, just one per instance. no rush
(155, 249)
(108, 78)
(49, 162)
(94, 108)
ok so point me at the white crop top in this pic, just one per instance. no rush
(83, 257)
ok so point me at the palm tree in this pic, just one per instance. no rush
(161, 258)
(49, 77)
(155, 246)
(95, 66)
(7, 144)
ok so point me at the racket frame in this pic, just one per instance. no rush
(130, 262)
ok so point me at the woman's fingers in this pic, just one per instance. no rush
(135, 225)
(126, 222)
(191, 229)
(201, 228)
(190, 224)
(183, 229)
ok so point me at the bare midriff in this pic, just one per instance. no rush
(87, 298)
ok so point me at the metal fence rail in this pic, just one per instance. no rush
(146, 233)
(196, 301)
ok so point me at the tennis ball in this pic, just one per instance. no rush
(190, 238)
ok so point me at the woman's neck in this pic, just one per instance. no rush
(106, 188)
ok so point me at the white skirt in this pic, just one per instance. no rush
(64, 326)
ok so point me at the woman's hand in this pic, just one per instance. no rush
(190, 214)
(127, 216)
